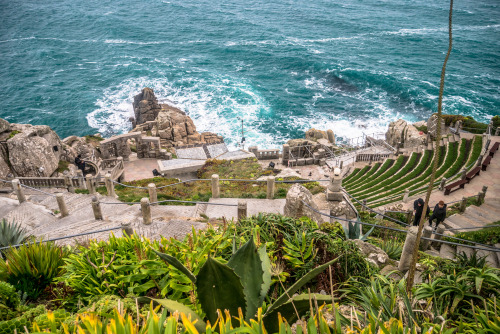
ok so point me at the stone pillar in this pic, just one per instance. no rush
(286, 154)
(110, 186)
(334, 190)
(62, 205)
(127, 228)
(18, 189)
(153, 198)
(69, 184)
(341, 164)
(270, 187)
(409, 217)
(485, 188)
(242, 210)
(96, 207)
(463, 174)
(120, 162)
(81, 179)
(90, 183)
(463, 204)
(406, 196)
(458, 125)
(426, 233)
(480, 198)
(331, 136)
(146, 211)
(497, 131)
(438, 235)
(409, 246)
(443, 183)
(254, 150)
(215, 186)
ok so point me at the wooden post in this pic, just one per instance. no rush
(18, 190)
(479, 160)
(464, 174)
(215, 186)
(62, 205)
(480, 198)
(438, 235)
(242, 210)
(485, 188)
(90, 184)
(270, 187)
(463, 204)
(96, 207)
(69, 184)
(146, 211)
(409, 217)
(153, 197)
(110, 186)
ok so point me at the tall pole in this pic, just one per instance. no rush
(411, 273)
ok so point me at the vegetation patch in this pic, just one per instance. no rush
(62, 166)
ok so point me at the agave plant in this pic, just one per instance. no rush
(353, 231)
(243, 283)
(11, 234)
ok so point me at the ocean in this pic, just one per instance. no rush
(280, 66)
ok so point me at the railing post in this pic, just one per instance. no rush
(409, 246)
(146, 211)
(69, 184)
(409, 217)
(62, 205)
(18, 189)
(463, 204)
(406, 196)
(427, 233)
(96, 207)
(110, 186)
(443, 183)
(90, 184)
(270, 187)
(341, 164)
(215, 186)
(480, 198)
(153, 197)
(127, 228)
(438, 235)
(479, 160)
(485, 188)
(81, 179)
(121, 166)
(242, 210)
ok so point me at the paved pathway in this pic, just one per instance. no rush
(137, 169)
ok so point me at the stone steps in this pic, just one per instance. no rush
(480, 215)
(7, 205)
(30, 216)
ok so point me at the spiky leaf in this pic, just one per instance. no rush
(295, 287)
(176, 264)
(220, 288)
(288, 312)
(173, 306)
(266, 268)
(247, 264)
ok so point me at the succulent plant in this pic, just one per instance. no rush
(11, 233)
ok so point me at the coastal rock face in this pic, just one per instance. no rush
(4, 125)
(432, 126)
(173, 126)
(319, 135)
(4, 167)
(146, 107)
(73, 146)
(406, 134)
(295, 207)
(35, 150)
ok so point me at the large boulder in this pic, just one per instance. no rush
(34, 150)
(4, 167)
(146, 107)
(73, 146)
(295, 207)
(372, 253)
(402, 132)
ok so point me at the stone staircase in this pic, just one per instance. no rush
(475, 216)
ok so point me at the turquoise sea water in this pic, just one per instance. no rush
(283, 66)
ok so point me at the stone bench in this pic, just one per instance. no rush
(486, 162)
(470, 175)
(458, 184)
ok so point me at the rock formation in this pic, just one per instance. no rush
(146, 107)
(34, 150)
(172, 125)
(432, 126)
(372, 253)
(295, 207)
(320, 136)
(73, 146)
(402, 132)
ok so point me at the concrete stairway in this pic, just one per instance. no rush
(475, 216)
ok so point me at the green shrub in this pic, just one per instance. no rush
(82, 191)
(391, 247)
(422, 128)
(9, 301)
(62, 166)
(32, 267)
(488, 236)
(11, 234)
